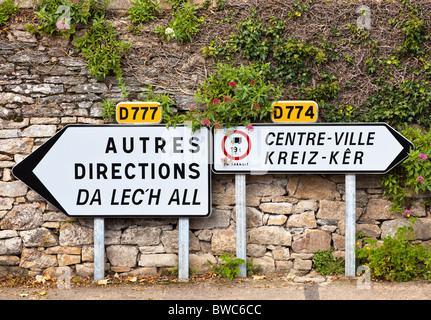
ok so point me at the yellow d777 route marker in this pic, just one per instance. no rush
(139, 112)
(294, 111)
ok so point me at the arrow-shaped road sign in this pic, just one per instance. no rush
(129, 170)
(316, 148)
(122, 170)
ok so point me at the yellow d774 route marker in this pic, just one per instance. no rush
(294, 111)
(139, 112)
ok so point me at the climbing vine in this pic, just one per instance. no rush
(413, 176)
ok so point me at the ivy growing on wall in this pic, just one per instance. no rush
(63, 16)
(102, 49)
(7, 9)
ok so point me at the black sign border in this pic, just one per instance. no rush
(24, 172)
(406, 144)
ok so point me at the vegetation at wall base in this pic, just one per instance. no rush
(325, 263)
(230, 267)
(397, 258)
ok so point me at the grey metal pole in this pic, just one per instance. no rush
(350, 225)
(183, 248)
(99, 248)
(241, 240)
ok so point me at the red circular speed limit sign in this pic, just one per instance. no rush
(238, 146)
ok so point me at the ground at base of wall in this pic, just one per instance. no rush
(210, 287)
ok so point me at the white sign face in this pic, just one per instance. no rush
(315, 148)
(123, 170)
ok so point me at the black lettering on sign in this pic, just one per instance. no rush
(294, 157)
(186, 198)
(164, 173)
(268, 157)
(354, 138)
(370, 138)
(277, 112)
(144, 143)
(154, 196)
(332, 157)
(131, 145)
(295, 138)
(310, 112)
(113, 202)
(267, 136)
(195, 171)
(178, 145)
(358, 157)
(174, 197)
(79, 171)
(314, 154)
(195, 195)
(338, 138)
(84, 196)
(116, 170)
(127, 173)
(282, 157)
(294, 111)
(111, 145)
(160, 144)
(124, 113)
(193, 144)
(346, 156)
(137, 202)
(127, 197)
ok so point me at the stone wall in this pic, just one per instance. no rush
(44, 85)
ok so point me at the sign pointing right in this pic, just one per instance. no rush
(317, 148)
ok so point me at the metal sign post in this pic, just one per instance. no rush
(99, 248)
(241, 235)
(183, 248)
(350, 225)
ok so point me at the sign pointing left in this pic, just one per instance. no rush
(122, 170)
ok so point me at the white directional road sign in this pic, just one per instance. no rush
(313, 148)
(123, 170)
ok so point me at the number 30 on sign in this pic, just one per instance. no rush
(294, 111)
(139, 112)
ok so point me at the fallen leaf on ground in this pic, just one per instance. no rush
(42, 279)
(132, 278)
